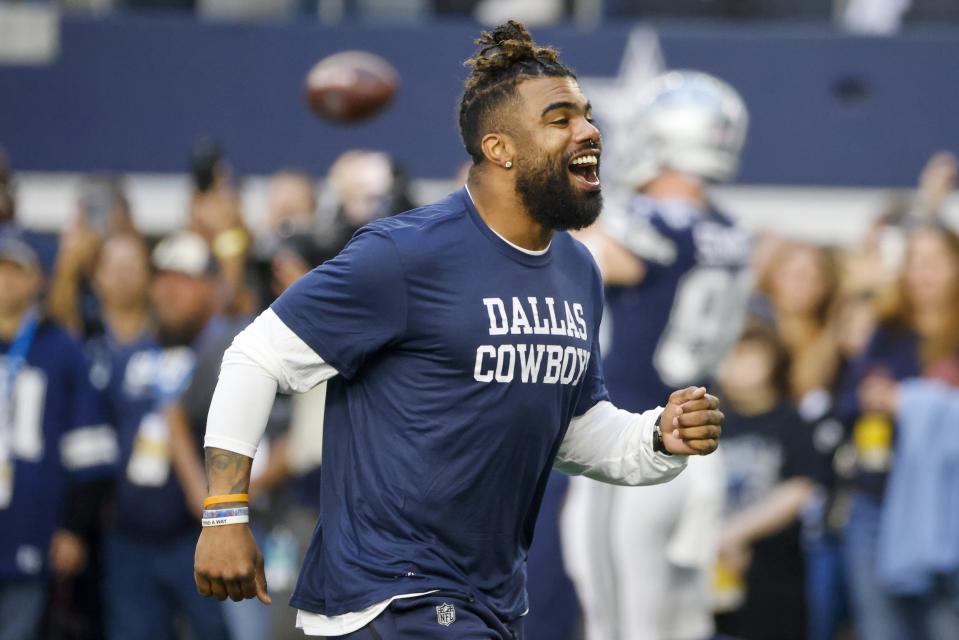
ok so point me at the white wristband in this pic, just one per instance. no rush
(219, 522)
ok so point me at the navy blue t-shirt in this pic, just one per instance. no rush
(688, 308)
(56, 439)
(462, 360)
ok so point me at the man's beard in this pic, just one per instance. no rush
(551, 199)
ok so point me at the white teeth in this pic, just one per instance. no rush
(585, 160)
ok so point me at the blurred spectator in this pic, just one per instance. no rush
(365, 185)
(44, 244)
(881, 255)
(102, 210)
(216, 216)
(121, 279)
(800, 286)
(876, 262)
(55, 450)
(853, 319)
(770, 466)
(120, 282)
(937, 181)
(918, 336)
(103, 205)
(149, 550)
(291, 204)
(287, 246)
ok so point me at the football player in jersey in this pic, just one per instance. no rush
(56, 451)
(677, 285)
(460, 345)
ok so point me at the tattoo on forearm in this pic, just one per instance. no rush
(227, 472)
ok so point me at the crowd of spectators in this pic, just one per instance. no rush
(112, 342)
(839, 395)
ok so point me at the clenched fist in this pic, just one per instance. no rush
(691, 422)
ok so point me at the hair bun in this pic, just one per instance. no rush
(507, 45)
(511, 30)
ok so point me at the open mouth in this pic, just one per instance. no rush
(585, 171)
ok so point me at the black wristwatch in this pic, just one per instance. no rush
(658, 445)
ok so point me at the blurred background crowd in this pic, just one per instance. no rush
(832, 510)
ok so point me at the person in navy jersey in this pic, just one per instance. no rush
(56, 450)
(677, 285)
(150, 542)
(460, 345)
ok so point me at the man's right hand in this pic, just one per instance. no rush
(691, 423)
(228, 564)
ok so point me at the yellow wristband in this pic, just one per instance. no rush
(230, 497)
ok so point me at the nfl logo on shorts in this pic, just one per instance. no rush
(445, 614)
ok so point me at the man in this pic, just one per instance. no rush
(459, 341)
(677, 283)
(103, 211)
(55, 449)
(286, 245)
(364, 185)
(151, 542)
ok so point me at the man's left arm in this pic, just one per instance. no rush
(617, 447)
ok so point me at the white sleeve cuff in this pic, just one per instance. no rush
(616, 446)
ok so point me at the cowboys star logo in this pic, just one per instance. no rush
(445, 614)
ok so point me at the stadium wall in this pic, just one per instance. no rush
(129, 93)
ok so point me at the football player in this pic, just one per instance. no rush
(675, 269)
(460, 341)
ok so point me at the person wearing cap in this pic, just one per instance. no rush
(149, 547)
(56, 451)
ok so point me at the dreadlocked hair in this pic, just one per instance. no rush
(507, 55)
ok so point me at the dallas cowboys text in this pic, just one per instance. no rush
(533, 362)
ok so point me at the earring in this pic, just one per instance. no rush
(509, 164)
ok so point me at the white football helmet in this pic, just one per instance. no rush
(687, 121)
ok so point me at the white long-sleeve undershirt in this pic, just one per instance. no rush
(264, 357)
(605, 443)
